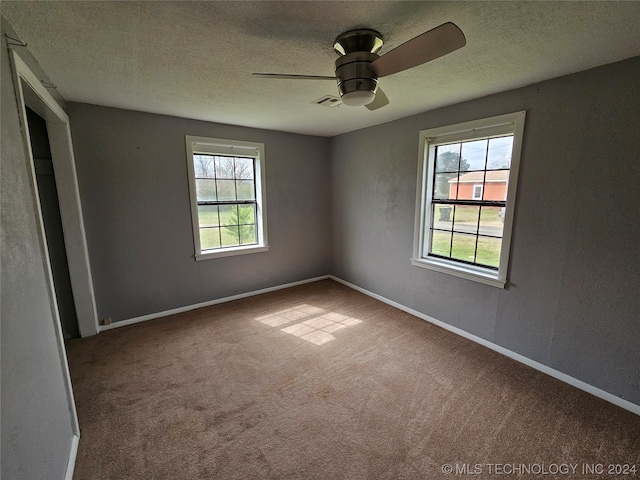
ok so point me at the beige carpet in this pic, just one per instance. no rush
(322, 382)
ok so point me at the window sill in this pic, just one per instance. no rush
(229, 252)
(469, 272)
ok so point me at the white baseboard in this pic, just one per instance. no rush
(620, 402)
(71, 465)
(187, 308)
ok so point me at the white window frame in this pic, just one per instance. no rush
(512, 123)
(474, 196)
(217, 146)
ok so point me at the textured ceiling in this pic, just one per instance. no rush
(195, 59)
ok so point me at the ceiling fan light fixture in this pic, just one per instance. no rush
(358, 98)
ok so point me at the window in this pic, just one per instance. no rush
(477, 192)
(466, 192)
(226, 185)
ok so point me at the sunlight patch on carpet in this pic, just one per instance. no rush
(312, 324)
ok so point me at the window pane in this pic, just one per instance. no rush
(462, 186)
(447, 157)
(440, 243)
(474, 153)
(208, 216)
(246, 189)
(496, 185)
(499, 156)
(246, 214)
(442, 216)
(228, 215)
(489, 251)
(463, 247)
(244, 168)
(203, 166)
(442, 189)
(224, 167)
(465, 219)
(491, 222)
(209, 238)
(205, 190)
(226, 189)
(230, 236)
(248, 235)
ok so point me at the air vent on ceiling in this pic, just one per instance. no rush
(328, 101)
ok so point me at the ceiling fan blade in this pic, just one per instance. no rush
(428, 46)
(287, 76)
(379, 101)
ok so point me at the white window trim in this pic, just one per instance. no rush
(493, 126)
(229, 147)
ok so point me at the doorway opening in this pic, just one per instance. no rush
(50, 210)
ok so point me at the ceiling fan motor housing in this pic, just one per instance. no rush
(357, 83)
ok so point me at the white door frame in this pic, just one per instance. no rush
(31, 93)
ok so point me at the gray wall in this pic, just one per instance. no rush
(132, 173)
(573, 298)
(36, 422)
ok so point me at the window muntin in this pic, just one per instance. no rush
(466, 192)
(227, 196)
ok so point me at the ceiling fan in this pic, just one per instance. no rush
(359, 67)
